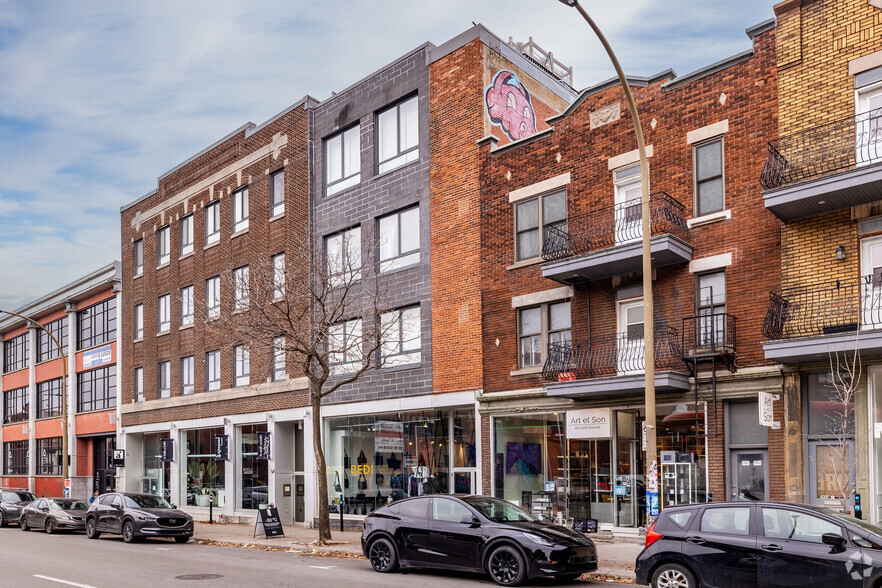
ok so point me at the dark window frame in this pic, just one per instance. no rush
(696, 183)
(101, 327)
(46, 347)
(277, 203)
(182, 245)
(87, 399)
(242, 210)
(344, 182)
(16, 456)
(49, 398)
(213, 209)
(400, 152)
(47, 466)
(542, 226)
(138, 257)
(16, 352)
(15, 403)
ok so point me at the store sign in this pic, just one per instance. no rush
(168, 450)
(263, 445)
(119, 458)
(589, 423)
(221, 447)
(97, 357)
(767, 410)
(389, 437)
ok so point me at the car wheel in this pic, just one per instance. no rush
(673, 576)
(23, 523)
(128, 532)
(506, 566)
(3, 521)
(183, 539)
(50, 526)
(92, 529)
(383, 556)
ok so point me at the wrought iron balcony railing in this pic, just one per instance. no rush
(823, 150)
(709, 334)
(611, 355)
(842, 306)
(614, 225)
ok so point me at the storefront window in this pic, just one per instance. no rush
(377, 458)
(253, 472)
(830, 405)
(156, 472)
(205, 475)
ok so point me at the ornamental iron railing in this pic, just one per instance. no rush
(708, 334)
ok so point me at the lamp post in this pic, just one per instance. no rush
(651, 453)
(30, 321)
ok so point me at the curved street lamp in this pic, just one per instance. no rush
(32, 322)
(648, 340)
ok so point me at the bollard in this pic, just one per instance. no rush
(211, 509)
(341, 513)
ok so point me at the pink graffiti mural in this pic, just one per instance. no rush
(509, 105)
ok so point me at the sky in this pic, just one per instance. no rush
(100, 98)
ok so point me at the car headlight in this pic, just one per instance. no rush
(538, 539)
(64, 516)
(145, 517)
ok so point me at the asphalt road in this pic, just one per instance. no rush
(46, 561)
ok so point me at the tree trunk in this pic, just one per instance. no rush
(320, 466)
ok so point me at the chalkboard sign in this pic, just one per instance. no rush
(221, 447)
(168, 450)
(263, 445)
(268, 523)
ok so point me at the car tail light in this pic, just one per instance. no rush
(652, 535)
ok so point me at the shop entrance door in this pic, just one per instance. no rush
(829, 467)
(105, 476)
(591, 487)
(749, 473)
(627, 490)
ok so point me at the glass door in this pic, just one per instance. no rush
(628, 211)
(868, 130)
(871, 284)
(750, 471)
(629, 493)
(830, 475)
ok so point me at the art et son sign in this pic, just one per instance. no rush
(589, 423)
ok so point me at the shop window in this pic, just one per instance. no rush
(240, 210)
(156, 474)
(15, 458)
(186, 235)
(253, 478)
(831, 400)
(46, 347)
(535, 219)
(212, 223)
(163, 241)
(96, 324)
(401, 337)
(205, 475)
(398, 135)
(49, 399)
(277, 194)
(400, 239)
(212, 370)
(539, 327)
(96, 389)
(342, 161)
(15, 405)
(49, 451)
(743, 425)
(15, 353)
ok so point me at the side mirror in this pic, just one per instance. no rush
(833, 539)
(174, 506)
(469, 520)
(117, 506)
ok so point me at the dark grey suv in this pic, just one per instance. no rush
(135, 516)
(11, 503)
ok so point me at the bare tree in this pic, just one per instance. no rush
(323, 312)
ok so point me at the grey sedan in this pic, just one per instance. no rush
(54, 514)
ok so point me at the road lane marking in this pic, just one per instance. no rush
(63, 581)
(323, 567)
(165, 548)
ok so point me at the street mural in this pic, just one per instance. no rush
(509, 105)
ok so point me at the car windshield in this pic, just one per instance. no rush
(497, 510)
(146, 501)
(18, 497)
(68, 504)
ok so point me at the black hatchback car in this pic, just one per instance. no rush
(135, 516)
(474, 533)
(752, 544)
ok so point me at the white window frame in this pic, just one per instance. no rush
(241, 366)
(402, 120)
(277, 361)
(163, 379)
(138, 257)
(241, 288)
(212, 297)
(139, 384)
(345, 341)
(542, 225)
(187, 305)
(279, 275)
(212, 222)
(545, 333)
(399, 345)
(139, 321)
(240, 210)
(163, 243)
(185, 235)
(343, 256)
(864, 153)
(212, 370)
(348, 161)
(277, 197)
(392, 227)
(163, 313)
(187, 364)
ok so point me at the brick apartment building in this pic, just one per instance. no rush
(823, 180)
(83, 317)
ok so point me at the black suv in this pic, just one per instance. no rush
(752, 544)
(11, 502)
(135, 516)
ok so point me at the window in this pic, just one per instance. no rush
(278, 359)
(212, 370)
(241, 366)
(548, 212)
(780, 523)
(398, 135)
(49, 451)
(344, 344)
(162, 246)
(212, 297)
(163, 378)
(187, 305)
(212, 223)
(240, 210)
(139, 384)
(728, 520)
(343, 256)
(46, 347)
(628, 204)
(277, 194)
(139, 321)
(401, 337)
(186, 375)
(163, 318)
(449, 511)
(15, 405)
(96, 324)
(49, 399)
(278, 263)
(400, 239)
(708, 158)
(138, 255)
(96, 389)
(868, 131)
(549, 322)
(711, 307)
(16, 455)
(342, 161)
(15, 352)
(186, 235)
(240, 288)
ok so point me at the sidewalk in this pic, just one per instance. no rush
(616, 557)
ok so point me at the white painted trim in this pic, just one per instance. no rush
(709, 218)
(539, 187)
(525, 263)
(526, 371)
(542, 297)
(421, 402)
(865, 63)
(627, 158)
(710, 263)
(698, 135)
(216, 396)
(279, 416)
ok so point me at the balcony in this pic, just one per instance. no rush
(710, 336)
(808, 324)
(614, 365)
(608, 241)
(826, 168)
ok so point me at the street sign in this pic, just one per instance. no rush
(119, 458)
